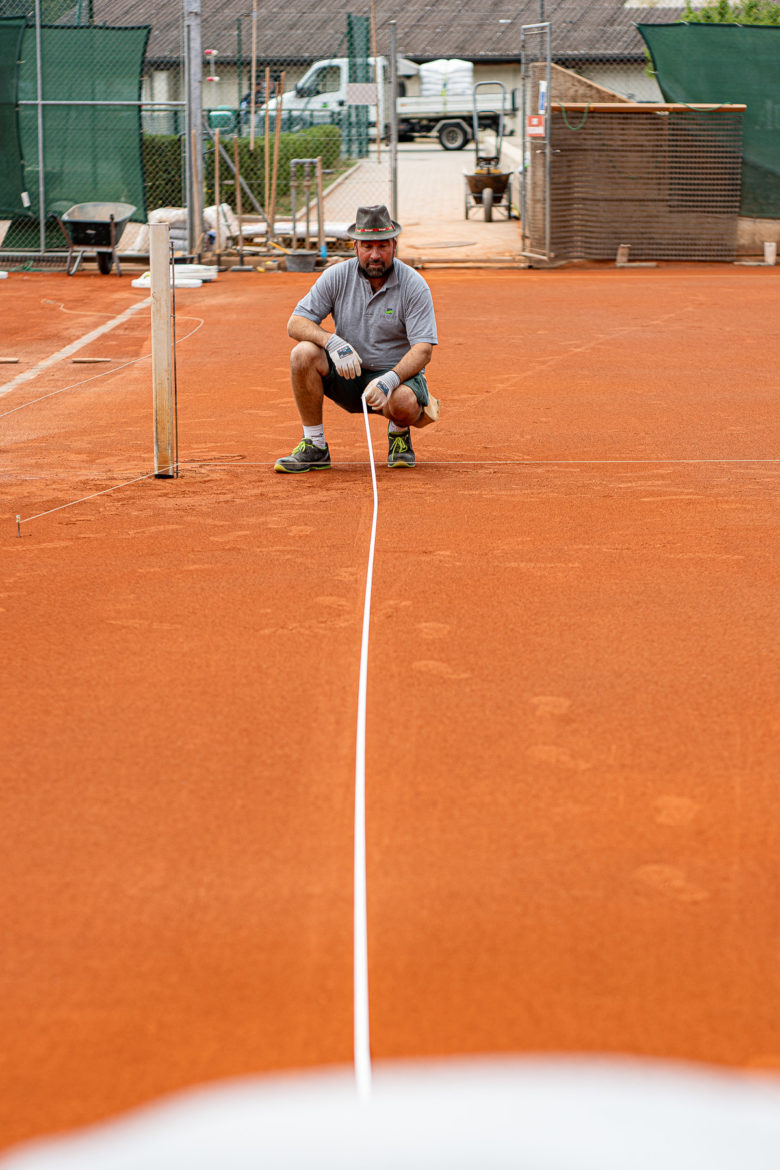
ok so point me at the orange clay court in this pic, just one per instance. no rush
(572, 710)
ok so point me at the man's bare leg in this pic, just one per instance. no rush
(308, 366)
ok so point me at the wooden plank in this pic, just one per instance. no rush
(162, 352)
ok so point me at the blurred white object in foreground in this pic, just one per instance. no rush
(519, 1114)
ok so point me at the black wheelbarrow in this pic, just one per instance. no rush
(95, 227)
(489, 187)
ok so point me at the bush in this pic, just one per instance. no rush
(733, 12)
(163, 170)
(317, 142)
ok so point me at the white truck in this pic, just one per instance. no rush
(444, 106)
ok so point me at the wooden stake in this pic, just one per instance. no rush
(196, 211)
(277, 136)
(162, 352)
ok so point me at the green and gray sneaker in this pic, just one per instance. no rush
(400, 453)
(307, 456)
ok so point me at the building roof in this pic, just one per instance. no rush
(302, 31)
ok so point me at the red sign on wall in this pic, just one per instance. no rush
(534, 125)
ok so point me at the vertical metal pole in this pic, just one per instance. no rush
(193, 64)
(524, 141)
(217, 198)
(378, 81)
(293, 194)
(253, 79)
(548, 150)
(393, 92)
(41, 175)
(320, 222)
(162, 352)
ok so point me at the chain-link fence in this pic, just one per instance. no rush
(109, 103)
(186, 109)
(312, 134)
(82, 123)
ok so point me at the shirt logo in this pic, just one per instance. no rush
(388, 312)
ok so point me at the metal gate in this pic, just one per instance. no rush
(535, 191)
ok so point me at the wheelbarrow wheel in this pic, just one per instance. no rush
(487, 203)
(104, 262)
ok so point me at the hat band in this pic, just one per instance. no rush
(385, 228)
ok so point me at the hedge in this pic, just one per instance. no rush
(162, 156)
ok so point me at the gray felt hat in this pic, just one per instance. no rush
(373, 223)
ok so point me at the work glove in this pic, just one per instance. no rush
(344, 357)
(379, 389)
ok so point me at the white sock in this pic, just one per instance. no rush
(394, 429)
(316, 434)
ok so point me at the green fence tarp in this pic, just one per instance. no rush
(91, 153)
(726, 63)
(11, 180)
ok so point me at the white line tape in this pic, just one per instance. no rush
(362, 1033)
(74, 347)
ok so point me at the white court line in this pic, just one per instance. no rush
(114, 369)
(74, 347)
(362, 1033)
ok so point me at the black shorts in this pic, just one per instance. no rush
(347, 392)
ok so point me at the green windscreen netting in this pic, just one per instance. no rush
(91, 150)
(11, 182)
(698, 63)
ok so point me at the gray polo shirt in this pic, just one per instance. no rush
(383, 325)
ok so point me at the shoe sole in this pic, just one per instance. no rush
(409, 466)
(300, 470)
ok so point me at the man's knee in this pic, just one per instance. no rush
(403, 407)
(305, 356)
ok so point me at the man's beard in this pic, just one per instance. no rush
(375, 271)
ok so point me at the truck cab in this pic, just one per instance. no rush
(325, 91)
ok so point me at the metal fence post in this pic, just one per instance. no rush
(548, 146)
(393, 121)
(535, 208)
(193, 64)
(41, 171)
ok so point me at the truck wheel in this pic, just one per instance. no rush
(487, 203)
(104, 262)
(453, 136)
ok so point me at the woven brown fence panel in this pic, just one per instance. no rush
(665, 181)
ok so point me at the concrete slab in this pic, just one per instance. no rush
(431, 205)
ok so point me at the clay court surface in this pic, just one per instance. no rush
(572, 722)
